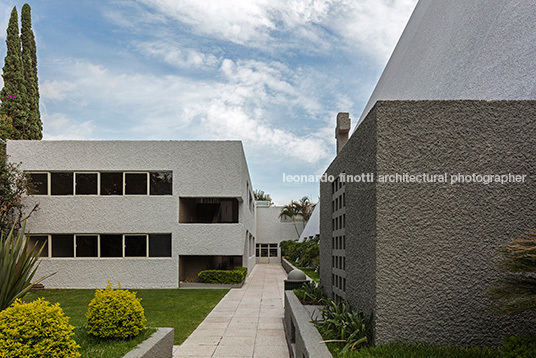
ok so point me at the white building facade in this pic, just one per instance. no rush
(147, 214)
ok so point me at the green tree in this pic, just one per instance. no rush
(14, 95)
(261, 196)
(29, 62)
(517, 292)
(305, 209)
(291, 211)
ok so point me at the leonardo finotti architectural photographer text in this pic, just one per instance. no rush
(444, 178)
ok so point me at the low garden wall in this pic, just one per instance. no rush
(159, 345)
(303, 338)
(289, 267)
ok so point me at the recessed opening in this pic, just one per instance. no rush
(135, 245)
(41, 241)
(86, 183)
(160, 245)
(62, 246)
(136, 183)
(161, 183)
(39, 183)
(111, 183)
(208, 210)
(61, 183)
(190, 266)
(111, 245)
(86, 246)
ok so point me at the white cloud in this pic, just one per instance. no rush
(173, 54)
(58, 126)
(242, 104)
(369, 26)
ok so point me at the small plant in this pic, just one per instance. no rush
(341, 324)
(18, 265)
(223, 276)
(516, 293)
(115, 313)
(310, 294)
(36, 329)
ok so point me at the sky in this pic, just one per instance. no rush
(271, 73)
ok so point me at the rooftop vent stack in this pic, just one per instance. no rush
(343, 127)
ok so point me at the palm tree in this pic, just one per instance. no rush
(291, 211)
(305, 209)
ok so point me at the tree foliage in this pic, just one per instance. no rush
(20, 94)
(298, 209)
(261, 196)
(29, 62)
(517, 292)
(13, 185)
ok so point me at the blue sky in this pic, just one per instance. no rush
(272, 73)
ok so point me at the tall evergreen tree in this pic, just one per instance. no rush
(29, 63)
(14, 96)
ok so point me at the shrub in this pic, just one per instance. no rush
(36, 329)
(519, 347)
(115, 313)
(304, 254)
(341, 324)
(310, 294)
(18, 265)
(223, 276)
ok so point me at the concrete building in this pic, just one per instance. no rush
(148, 214)
(271, 230)
(420, 255)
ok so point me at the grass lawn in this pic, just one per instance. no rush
(312, 274)
(182, 310)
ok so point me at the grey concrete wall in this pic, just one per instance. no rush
(200, 168)
(159, 345)
(270, 229)
(471, 49)
(435, 245)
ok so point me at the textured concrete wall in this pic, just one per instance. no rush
(471, 49)
(200, 168)
(270, 229)
(436, 244)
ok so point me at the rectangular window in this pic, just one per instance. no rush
(61, 183)
(62, 246)
(160, 245)
(86, 246)
(161, 183)
(273, 250)
(41, 241)
(257, 250)
(111, 183)
(135, 245)
(264, 250)
(86, 183)
(136, 183)
(39, 183)
(111, 245)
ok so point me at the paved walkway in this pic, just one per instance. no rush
(247, 322)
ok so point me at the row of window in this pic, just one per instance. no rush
(337, 184)
(339, 222)
(101, 183)
(266, 250)
(338, 203)
(338, 242)
(338, 262)
(103, 245)
(338, 282)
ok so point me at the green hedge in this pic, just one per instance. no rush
(223, 276)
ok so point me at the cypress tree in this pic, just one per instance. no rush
(14, 96)
(29, 63)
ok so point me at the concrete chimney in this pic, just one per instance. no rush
(342, 129)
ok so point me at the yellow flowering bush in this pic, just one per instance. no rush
(115, 313)
(36, 329)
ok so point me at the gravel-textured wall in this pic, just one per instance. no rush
(436, 244)
(200, 168)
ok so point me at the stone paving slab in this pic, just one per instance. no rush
(247, 322)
